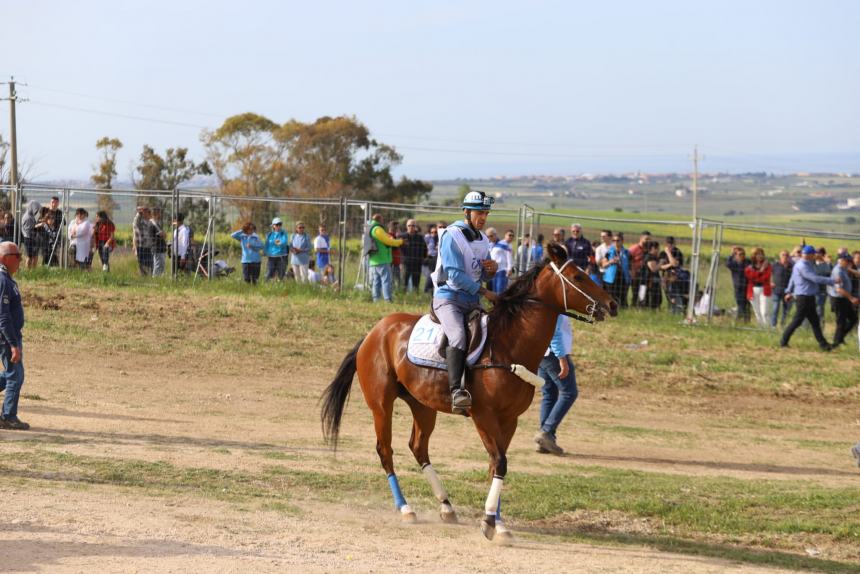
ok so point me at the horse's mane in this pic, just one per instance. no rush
(512, 300)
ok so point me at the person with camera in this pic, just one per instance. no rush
(251, 248)
(616, 270)
(737, 263)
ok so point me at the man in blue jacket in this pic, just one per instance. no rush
(11, 324)
(803, 287)
(463, 264)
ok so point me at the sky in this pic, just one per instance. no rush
(460, 88)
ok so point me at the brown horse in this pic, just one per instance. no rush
(520, 327)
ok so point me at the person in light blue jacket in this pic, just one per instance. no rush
(251, 248)
(277, 249)
(559, 389)
(300, 253)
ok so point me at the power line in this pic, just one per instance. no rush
(529, 144)
(117, 115)
(538, 155)
(129, 102)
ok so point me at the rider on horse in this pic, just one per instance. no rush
(463, 263)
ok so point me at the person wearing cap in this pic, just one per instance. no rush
(803, 288)
(11, 325)
(844, 303)
(463, 264)
(276, 250)
(578, 247)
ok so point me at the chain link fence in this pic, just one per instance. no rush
(704, 291)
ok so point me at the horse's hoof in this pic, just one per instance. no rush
(504, 537)
(407, 515)
(446, 512)
(409, 518)
(488, 529)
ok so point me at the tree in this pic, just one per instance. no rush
(336, 157)
(245, 158)
(106, 171)
(169, 172)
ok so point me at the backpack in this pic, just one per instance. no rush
(368, 243)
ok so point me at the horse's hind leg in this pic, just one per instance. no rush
(382, 409)
(423, 423)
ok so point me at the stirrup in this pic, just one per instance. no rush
(461, 402)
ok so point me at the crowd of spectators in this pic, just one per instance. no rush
(764, 289)
(644, 275)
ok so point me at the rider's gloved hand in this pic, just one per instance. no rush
(490, 295)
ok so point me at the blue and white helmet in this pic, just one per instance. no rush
(478, 201)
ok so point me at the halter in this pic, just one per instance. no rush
(592, 305)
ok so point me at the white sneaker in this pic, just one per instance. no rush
(855, 450)
(105, 267)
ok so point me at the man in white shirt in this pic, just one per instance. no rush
(502, 254)
(600, 250)
(181, 242)
(322, 247)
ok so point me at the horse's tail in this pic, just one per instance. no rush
(335, 397)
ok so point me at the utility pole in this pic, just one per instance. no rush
(13, 137)
(13, 147)
(695, 183)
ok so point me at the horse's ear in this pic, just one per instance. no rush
(556, 253)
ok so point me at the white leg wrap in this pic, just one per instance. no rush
(493, 498)
(435, 484)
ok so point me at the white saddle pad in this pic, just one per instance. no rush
(423, 347)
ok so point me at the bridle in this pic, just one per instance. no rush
(592, 305)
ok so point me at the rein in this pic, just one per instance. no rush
(591, 308)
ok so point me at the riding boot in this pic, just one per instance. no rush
(461, 400)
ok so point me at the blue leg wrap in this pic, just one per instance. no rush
(499, 509)
(399, 501)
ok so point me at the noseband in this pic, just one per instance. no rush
(592, 304)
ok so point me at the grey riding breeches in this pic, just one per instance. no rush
(452, 315)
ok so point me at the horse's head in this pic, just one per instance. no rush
(570, 288)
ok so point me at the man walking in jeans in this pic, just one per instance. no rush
(11, 323)
(803, 287)
(559, 389)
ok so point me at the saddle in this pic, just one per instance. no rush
(474, 329)
(427, 342)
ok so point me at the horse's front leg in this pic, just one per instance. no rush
(496, 434)
(496, 440)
